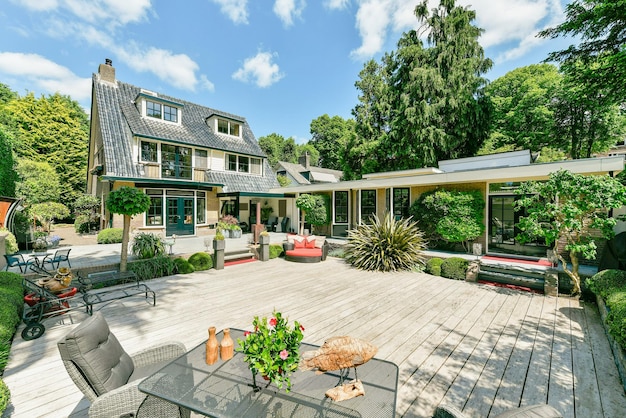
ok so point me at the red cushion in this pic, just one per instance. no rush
(309, 243)
(305, 252)
(299, 244)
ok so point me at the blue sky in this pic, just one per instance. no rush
(278, 63)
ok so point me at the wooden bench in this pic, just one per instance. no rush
(109, 286)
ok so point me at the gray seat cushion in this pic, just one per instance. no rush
(98, 354)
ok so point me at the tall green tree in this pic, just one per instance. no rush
(38, 182)
(8, 175)
(278, 148)
(329, 136)
(127, 201)
(54, 129)
(568, 208)
(438, 106)
(523, 117)
(601, 27)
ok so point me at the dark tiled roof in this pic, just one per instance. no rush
(294, 171)
(120, 120)
(238, 182)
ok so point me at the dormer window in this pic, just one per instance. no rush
(161, 111)
(228, 127)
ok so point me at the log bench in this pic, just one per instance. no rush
(109, 286)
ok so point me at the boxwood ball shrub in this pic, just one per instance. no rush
(454, 268)
(201, 261)
(433, 266)
(110, 236)
(183, 266)
(275, 250)
(387, 245)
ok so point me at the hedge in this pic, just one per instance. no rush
(151, 268)
(433, 266)
(110, 236)
(454, 268)
(610, 285)
(11, 306)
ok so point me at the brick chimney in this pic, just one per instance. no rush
(107, 71)
(305, 160)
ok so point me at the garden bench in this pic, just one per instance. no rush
(110, 286)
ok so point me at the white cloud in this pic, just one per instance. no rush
(260, 70)
(336, 4)
(236, 10)
(513, 21)
(114, 12)
(38, 5)
(287, 10)
(47, 75)
(206, 83)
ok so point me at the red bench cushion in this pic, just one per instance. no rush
(305, 252)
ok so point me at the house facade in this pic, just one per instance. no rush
(196, 164)
(495, 176)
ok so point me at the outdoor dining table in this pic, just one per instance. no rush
(225, 388)
(38, 257)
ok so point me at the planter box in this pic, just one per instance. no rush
(618, 352)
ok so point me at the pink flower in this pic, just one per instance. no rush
(301, 328)
(273, 322)
(284, 354)
(246, 333)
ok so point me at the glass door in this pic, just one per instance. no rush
(180, 216)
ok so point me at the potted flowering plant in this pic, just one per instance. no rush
(272, 349)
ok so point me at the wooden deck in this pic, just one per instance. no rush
(479, 348)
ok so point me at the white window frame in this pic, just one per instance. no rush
(144, 108)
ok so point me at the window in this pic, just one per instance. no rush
(227, 127)
(255, 166)
(201, 159)
(201, 207)
(368, 205)
(401, 203)
(175, 162)
(154, 214)
(153, 109)
(231, 164)
(170, 113)
(161, 111)
(149, 151)
(341, 207)
(244, 165)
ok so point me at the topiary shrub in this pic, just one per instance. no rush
(387, 245)
(147, 245)
(81, 224)
(110, 236)
(151, 268)
(610, 285)
(276, 250)
(201, 261)
(454, 268)
(433, 266)
(9, 241)
(183, 266)
(606, 282)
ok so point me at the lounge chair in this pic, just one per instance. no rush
(109, 378)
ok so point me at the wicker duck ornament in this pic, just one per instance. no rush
(340, 353)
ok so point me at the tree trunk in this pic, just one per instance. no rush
(125, 233)
(302, 222)
(573, 273)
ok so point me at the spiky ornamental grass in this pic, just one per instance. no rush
(386, 245)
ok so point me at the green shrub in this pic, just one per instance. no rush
(610, 285)
(201, 261)
(276, 250)
(183, 266)
(110, 236)
(81, 224)
(454, 268)
(606, 282)
(433, 266)
(10, 242)
(387, 245)
(147, 245)
(5, 396)
(151, 268)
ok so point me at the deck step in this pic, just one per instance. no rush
(514, 278)
(238, 255)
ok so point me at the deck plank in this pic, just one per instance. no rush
(461, 343)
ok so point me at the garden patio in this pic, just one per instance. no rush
(479, 348)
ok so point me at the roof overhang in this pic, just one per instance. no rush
(162, 183)
(256, 194)
(541, 171)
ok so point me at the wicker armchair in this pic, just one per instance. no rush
(532, 411)
(108, 377)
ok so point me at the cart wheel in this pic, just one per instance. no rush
(32, 331)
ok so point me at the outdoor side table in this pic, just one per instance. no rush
(224, 389)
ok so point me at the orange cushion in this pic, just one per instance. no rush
(309, 243)
(299, 244)
(305, 252)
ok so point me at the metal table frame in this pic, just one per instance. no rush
(224, 389)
